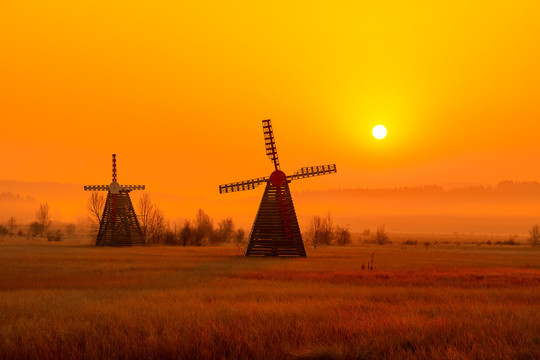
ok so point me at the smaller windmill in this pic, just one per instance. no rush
(275, 231)
(119, 225)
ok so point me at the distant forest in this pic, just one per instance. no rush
(504, 190)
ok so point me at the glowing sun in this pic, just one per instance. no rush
(379, 132)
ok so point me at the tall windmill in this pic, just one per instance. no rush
(275, 230)
(119, 225)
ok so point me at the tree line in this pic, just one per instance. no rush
(199, 231)
(157, 230)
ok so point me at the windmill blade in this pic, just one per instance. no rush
(313, 171)
(242, 185)
(132, 187)
(270, 143)
(96, 188)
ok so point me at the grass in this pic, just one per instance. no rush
(67, 300)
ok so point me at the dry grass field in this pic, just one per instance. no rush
(69, 300)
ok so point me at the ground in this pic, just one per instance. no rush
(442, 301)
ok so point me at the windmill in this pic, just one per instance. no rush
(119, 225)
(275, 230)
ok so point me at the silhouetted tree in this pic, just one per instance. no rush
(320, 231)
(54, 235)
(12, 225)
(342, 235)
(381, 236)
(224, 232)
(186, 233)
(145, 212)
(43, 217)
(34, 229)
(239, 240)
(152, 220)
(203, 228)
(534, 235)
(96, 203)
(157, 227)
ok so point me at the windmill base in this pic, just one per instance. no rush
(124, 230)
(275, 231)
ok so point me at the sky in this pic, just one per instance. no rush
(178, 91)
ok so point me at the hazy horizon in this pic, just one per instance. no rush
(507, 207)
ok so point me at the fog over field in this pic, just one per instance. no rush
(505, 208)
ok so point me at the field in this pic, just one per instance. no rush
(446, 301)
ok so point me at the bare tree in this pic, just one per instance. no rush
(146, 208)
(320, 231)
(12, 225)
(343, 236)
(534, 235)
(43, 217)
(154, 225)
(95, 205)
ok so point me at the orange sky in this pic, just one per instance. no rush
(179, 91)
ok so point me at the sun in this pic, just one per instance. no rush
(379, 132)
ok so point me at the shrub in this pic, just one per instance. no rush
(35, 229)
(381, 236)
(343, 236)
(54, 235)
(410, 242)
(510, 241)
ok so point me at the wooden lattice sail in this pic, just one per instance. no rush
(119, 225)
(275, 231)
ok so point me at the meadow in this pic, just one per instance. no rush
(71, 300)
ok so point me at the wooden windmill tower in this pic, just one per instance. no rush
(119, 225)
(275, 231)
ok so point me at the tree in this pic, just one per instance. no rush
(381, 236)
(186, 233)
(54, 235)
(240, 236)
(156, 227)
(152, 220)
(146, 209)
(239, 239)
(224, 232)
(343, 236)
(12, 225)
(95, 205)
(34, 228)
(43, 217)
(3, 230)
(534, 235)
(320, 231)
(204, 227)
